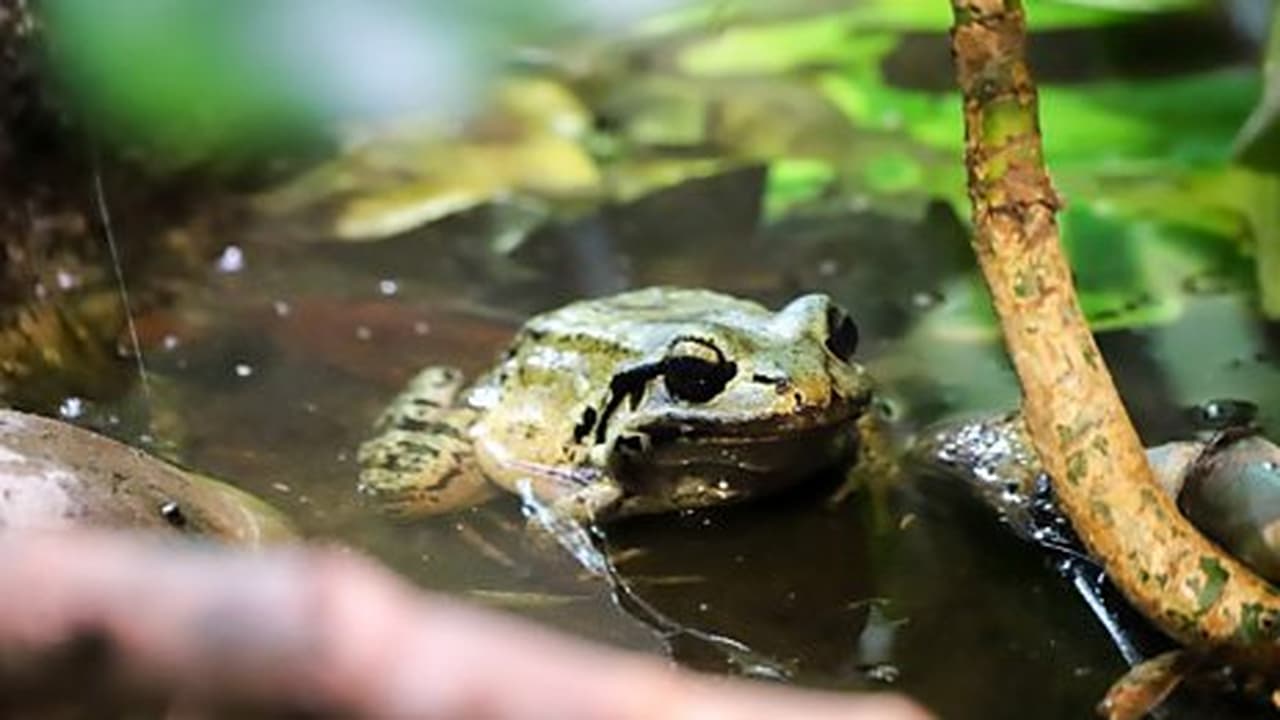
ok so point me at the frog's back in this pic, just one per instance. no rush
(632, 322)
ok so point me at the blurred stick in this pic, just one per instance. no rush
(126, 622)
(1189, 587)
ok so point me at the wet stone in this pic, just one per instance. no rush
(55, 475)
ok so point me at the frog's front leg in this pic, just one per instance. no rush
(562, 515)
(581, 496)
(420, 460)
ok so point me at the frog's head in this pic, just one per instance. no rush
(730, 404)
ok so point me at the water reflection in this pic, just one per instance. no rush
(278, 370)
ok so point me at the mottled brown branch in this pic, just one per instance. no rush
(1188, 586)
(126, 622)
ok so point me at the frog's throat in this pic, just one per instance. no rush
(685, 472)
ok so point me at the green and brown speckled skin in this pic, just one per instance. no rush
(647, 401)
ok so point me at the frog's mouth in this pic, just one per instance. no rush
(691, 462)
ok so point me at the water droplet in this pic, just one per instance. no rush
(71, 408)
(926, 299)
(243, 370)
(281, 308)
(364, 333)
(169, 342)
(883, 672)
(828, 267)
(172, 513)
(281, 488)
(703, 607)
(231, 260)
(421, 328)
(66, 280)
(1221, 413)
(388, 287)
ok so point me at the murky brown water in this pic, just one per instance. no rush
(271, 374)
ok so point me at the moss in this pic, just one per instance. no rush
(1090, 355)
(1215, 579)
(1077, 467)
(1102, 511)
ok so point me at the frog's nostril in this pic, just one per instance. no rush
(778, 382)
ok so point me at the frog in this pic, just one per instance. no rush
(649, 401)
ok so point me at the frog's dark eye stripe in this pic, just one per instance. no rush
(696, 380)
(585, 425)
(695, 370)
(626, 384)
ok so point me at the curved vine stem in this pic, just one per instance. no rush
(1193, 590)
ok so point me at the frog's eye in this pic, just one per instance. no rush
(696, 371)
(842, 333)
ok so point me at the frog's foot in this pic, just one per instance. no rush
(1146, 685)
(420, 460)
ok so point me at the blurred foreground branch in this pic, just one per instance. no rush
(128, 622)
